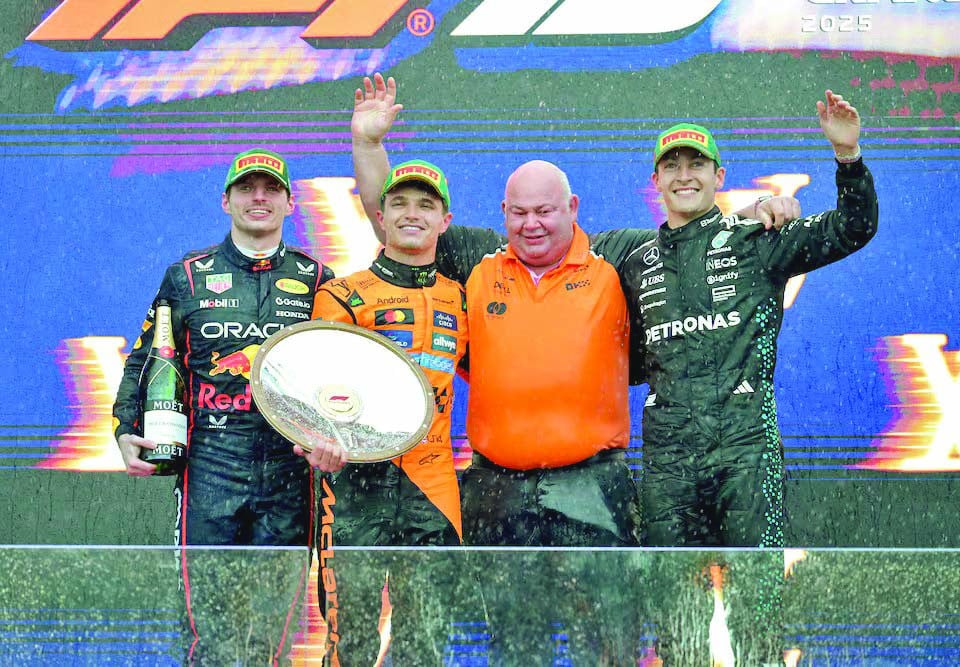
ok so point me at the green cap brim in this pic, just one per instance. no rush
(420, 171)
(261, 161)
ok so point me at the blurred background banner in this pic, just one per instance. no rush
(119, 119)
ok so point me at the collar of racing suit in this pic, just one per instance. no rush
(404, 275)
(237, 258)
(668, 237)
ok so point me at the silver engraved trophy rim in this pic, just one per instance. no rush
(349, 403)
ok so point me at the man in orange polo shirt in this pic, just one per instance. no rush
(548, 418)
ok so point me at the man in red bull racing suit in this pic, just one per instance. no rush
(706, 299)
(242, 484)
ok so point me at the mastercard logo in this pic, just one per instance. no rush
(394, 316)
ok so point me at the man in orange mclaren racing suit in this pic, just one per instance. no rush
(413, 499)
(242, 484)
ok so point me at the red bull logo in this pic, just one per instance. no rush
(208, 398)
(235, 363)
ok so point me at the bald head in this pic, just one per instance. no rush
(538, 173)
(539, 212)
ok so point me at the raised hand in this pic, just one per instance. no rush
(374, 109)
(840, 122)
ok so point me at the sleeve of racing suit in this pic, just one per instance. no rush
(817, 240)
(326, 306)
(126, 408)
(459, 249)
(326, 274)
(615, 245)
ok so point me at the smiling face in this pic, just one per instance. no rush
(538, 213)
(257, 205)
(412, 216)
(688, 182)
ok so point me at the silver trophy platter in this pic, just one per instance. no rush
(318, 381)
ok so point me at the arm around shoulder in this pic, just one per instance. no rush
(460, 248)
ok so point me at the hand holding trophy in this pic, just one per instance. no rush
(320, 380)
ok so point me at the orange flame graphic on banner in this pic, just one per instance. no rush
(385, 622)
(791, 657)
(310, 644)
(778, 185)
(91, 368)
(330, 223)
(925, 433)
(790, 558)
(650, 658)
(721, 648)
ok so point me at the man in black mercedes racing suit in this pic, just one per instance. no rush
(242, 484)
(706, 300)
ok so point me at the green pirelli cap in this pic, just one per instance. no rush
(258, 160)
(690, 135)
(418, 170)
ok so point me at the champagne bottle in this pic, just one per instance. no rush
(163, 394)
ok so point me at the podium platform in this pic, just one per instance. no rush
(487, 607)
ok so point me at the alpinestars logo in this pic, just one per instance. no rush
(678, 328)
